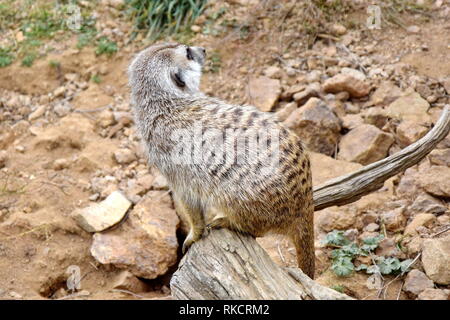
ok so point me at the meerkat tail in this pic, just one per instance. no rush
(302, 236)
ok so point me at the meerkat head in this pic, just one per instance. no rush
(167, 68)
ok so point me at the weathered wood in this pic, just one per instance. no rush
(353, 186)
(227, 265)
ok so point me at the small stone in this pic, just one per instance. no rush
(394, 220)
(39, 112)
(124, 156)
(103, 215)
(346, 82)
(440, 157)
(351, 121)
(371, 227)
(436, 181)
(389, 248)
(421, 219)
(105, 118)
(159, 182)
(335, 218)
(433, 294)
(285, 111)
(410, 106)
(413, 29)
(409, 132)
(416, 282)
(311, 91)
(365, 144)
(426, 203)
(316, 125)
(414, 246)
(59, 92)
(338, 29)
(273, 72)
(436, 259)
(125, 280)
(62, 109)
(196, 29)
(60, 164)
(376, 116)
(264, 92)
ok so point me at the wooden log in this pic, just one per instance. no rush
(227, 265)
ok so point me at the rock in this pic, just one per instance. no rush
(414, 246)
(146, 243)
(408, 185)
(196, 29)
(413, 29)
(433, 294)
(436, 259)
(394, 220)
(386, 93)
(106, 118)
(289, 92)
(62, 109)
(376, 116)
(365, 144)
(285, 111)
(39, 112)
(389, 248)
(3, 158)
(60, 164)
(443, 219)
(354, 73)
(411, 106)
(124, 156)
(440, 157)
(325, 168)
(273, 72)
(346, 82)
(311, 91)
(421, 219)
(351, 121)
(335, 218)
(446, 84)
(372, 227)
(425, 203)
(264, 92)
(338, 29)
(317, 126)
(409, 132)
(125, 280)
(436, 180)
(59, 92)
(160, 182)
(103, 215)
(416, 282)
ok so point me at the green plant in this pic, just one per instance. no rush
(105, 46)
(96, 78)
(54, 64)
(163, 16)
(6, 58)
(28, 60)
(346, 251)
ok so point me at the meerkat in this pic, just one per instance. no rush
(247, 192)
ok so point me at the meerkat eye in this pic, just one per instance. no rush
(189, 54)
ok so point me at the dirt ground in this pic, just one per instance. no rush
(52, 159)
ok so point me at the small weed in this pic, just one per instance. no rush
(105, 46)
(346, 251)
(96, 78)
(214, 62)
(55, 64)
(6, 58)
(338, 288)
(28, 60)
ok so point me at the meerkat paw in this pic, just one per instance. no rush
(190, 239)
(217, 223)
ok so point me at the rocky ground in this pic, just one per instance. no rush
(354, 95)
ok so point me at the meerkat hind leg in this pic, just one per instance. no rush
(196, 222)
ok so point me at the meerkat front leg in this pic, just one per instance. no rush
(196, 221)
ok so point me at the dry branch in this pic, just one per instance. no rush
(227, 265)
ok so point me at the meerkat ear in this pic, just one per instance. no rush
(178, 78)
